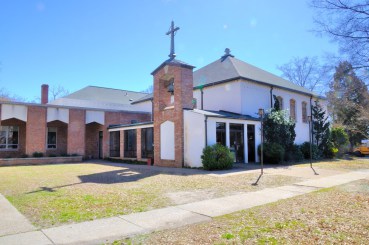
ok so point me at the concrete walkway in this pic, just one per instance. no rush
(11, 220)
(110, 229)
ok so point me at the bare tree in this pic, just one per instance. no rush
(57, 92)
(148, 90)
(347, 23)
(6, 96)
(306, 72)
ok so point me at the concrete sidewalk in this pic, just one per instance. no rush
(110, 229)
(12, 221)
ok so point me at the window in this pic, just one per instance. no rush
(304, 112)
(51, 138)
(221, 133)
(130, 145)
(293, 109)
(147, 140)
(115, 144)
(9, 137)
(280, 100)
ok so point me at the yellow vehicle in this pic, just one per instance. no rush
(362, 150)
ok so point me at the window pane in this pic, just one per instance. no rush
(221, 133)
(51, 137)
(2, 136)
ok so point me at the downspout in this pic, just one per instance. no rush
(271, 97)
(206, 130)
(152, 109)
(202, 98)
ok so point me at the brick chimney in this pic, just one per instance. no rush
(44, 94)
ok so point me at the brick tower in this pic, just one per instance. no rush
(173, 92)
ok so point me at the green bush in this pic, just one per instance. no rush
(273, 152)
(305, 149)
(217, 157)
(339, 139)
(52, 155)
(294, 154)
(38, 154)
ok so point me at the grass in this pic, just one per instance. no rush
(353, 163)
(334, 216)
(51, 195)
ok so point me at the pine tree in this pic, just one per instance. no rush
(321, 130)
(348, 99)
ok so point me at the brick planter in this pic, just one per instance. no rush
(38, 160)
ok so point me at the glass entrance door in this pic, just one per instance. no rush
(236, 133)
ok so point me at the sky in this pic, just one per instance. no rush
(118, 43)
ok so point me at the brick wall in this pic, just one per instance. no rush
(76, 132)
(183, 94)
(36, 130)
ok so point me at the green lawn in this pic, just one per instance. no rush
(50, 195)
(330, 216)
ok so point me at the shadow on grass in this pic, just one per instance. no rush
(111, 177)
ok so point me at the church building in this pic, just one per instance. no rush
(188, 110)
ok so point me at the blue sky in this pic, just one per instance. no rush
(118, 43)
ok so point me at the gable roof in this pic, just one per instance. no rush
(109, 95)
(229, 68)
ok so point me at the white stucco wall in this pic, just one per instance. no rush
(301, 129)
(167, 140)
(59, 114)
(145, 106)
(95, 116)
(194, 138)
(14, 111)
(247, 97)
(226, 96)
(254, 96)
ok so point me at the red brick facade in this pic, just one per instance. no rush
(165, 111)
(36, 130)
(76, 132)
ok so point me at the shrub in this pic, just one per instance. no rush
(339, 139)
(305, 149)
(294, 154)
(24, 156)
(38, 154)
(52, 155)
(217, 157)
(273, 152)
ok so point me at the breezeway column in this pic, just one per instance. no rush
(76, 132)
(36, 130)
(245, 144)
(138, 143)
(121, 147)
(228, 136)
